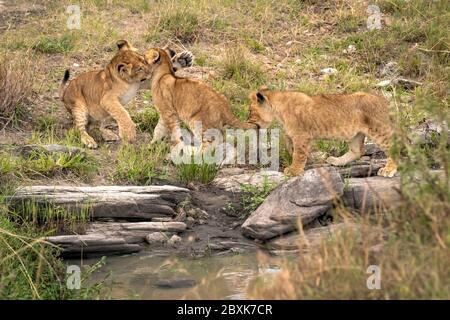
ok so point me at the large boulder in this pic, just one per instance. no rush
(301, 199)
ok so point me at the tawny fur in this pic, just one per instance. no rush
(329, 116)
(102, 94)
(182, 99)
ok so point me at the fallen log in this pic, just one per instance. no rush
(118, 202)
(133, 232)
(72, 246)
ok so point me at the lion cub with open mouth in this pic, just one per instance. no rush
(181, 99)
(327, 116)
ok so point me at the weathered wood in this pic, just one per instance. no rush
(92, 245)
(133, 232)
(125, 202)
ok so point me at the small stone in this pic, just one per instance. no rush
(175, 283)
(190, 222)
(390, 69)
(76, 65)
(155, 238)
(298, 61)
(350, 49)
(384, 83)
(328, 71)
(174, 241)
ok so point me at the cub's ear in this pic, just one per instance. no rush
(123, 45)
(123, 68)
(260, 97)
(170, 52)
(152, 56)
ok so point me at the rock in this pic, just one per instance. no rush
(312, 237)
(197, 213)
(31, 150)
(303, 198)
(233, 182)
(328, 71)
(190, 222)
(156, 238)
(407, 83)
(315, 236)
(92, 245)
(371, 149)
(402, 82)
(362, 169)
(175, 283)
(174, 241)
(369, 194)
(124, 202)
(384, 83)
(429, 131)
(133, 232)
(390, 69)
(350, 49)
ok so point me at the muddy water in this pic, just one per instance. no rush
(145, 276)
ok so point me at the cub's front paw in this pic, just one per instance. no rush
(387, 172)
(128, 133)
(88, 141)
(292, 171)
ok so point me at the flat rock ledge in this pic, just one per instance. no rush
(109, 238)
(310, 196)
(303, 198)
(113, 202)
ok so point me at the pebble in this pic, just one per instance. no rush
(174, 241)
(328, 71)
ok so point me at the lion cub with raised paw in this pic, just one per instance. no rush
(102, 94)
(181, 99)
(326, 116)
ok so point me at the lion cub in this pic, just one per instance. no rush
(102, 94)
(328, 116)
(181, 99)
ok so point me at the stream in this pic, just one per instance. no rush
(146, 276)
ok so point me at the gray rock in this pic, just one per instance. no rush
(30, 150)
(303, 198)
(133, 232)
(371, 149)
(232, 180)
(175, 283)
(174, 241)
(156, 238)
(124, 202)
(312, 237)
(370, 194)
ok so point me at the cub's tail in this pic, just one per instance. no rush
(62, 86)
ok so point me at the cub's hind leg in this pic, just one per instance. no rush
(382, 136)
(160, 131)
(81, 118)
(301, 147)
(356, 150)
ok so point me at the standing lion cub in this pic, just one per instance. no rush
(102, 94)
(327, 116)
(181, 99)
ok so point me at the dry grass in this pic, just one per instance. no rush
(16, 82)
